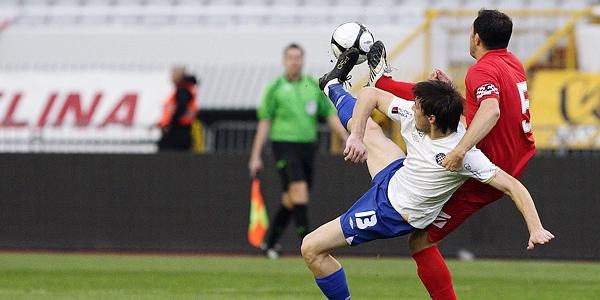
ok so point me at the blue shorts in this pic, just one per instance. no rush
(372, 216)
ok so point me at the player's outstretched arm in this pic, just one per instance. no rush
(485, 119)
(368, 99)
(403, 89)
(519, 194)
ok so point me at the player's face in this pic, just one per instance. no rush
(421, 120)
(293, 61)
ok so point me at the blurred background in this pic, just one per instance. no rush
(82, 85)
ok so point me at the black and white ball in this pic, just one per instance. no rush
(352, 34)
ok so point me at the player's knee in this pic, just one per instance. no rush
(366, 92)
(309, 248)
(418, 241)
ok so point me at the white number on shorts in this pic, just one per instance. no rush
(522, 87)
(365, 219)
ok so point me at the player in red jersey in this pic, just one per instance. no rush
(497, 115)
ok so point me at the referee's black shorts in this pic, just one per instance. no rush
(294, 161)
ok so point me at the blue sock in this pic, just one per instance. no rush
(343, 101)
(334, 286)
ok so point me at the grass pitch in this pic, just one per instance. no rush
(87, 276)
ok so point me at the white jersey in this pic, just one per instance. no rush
(420, 188)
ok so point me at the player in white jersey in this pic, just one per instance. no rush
(409, 191)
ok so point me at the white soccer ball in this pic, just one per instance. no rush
(352, 34)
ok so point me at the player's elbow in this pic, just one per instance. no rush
(374, 98)
(495, 114)
(513, 187)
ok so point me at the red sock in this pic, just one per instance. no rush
(434, 273)
(398, 88)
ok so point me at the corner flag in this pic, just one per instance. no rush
(259, 221)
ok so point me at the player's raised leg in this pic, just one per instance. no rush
(332, 85)
(328, 272)
(381, 150)
(377, 60)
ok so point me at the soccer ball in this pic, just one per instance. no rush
(352, 34)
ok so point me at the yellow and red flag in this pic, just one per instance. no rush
(259, 221)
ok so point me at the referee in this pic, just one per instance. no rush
(288, 113)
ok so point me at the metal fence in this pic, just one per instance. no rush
(236, 137)
(221, 137)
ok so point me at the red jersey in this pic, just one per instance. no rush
(499, 74)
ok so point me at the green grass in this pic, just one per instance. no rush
(76, 276)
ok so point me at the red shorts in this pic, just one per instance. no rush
(469, 198)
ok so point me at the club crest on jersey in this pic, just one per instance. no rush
(486, 90)
(439, 157)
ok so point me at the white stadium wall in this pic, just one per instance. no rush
(226, 60)
(107, 84)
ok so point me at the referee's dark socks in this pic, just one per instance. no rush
(282, 218)
(301, 216)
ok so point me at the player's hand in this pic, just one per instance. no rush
(453, 160)
(540, 237)
(254, 166)
(440, 75)
(355, 150)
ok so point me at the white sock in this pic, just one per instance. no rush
(326, 88)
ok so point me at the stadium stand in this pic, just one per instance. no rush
(243, 12)
(75, 36)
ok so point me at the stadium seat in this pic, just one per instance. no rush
(542, 4)
(67, 2)
(129, 2)
(8, 3)
(349, 3)
(158, 2)
(223, 2)
(383, 3)
(191, 2)
(98, 2)
(318, 2)
(262, 2)
(36, 2)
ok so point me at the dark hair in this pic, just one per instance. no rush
(494, 28)
(442, 100)
(293, 46)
